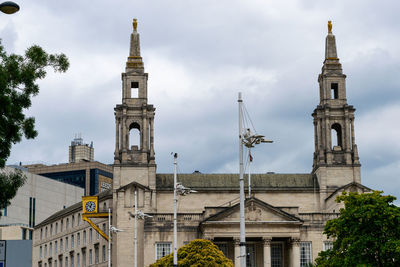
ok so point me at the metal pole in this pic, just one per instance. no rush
(249, 175)
(241, 180)
(109, 237)
(175, 215)
(135, 237)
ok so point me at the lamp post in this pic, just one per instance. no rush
(249, 140)
(111, 230)
(183, 191)
(138, 214)
(9, 7)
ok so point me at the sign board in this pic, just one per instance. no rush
(2, 251)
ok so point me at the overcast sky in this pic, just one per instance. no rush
(199, 55)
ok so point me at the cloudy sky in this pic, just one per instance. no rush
(199, 55)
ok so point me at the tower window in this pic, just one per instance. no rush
(334, 90)
(134, 89)
(336, 135)
(134, 136)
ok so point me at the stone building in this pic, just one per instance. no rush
(285, 214)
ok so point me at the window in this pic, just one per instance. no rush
(78, 259)
(56, 228)
(78, 239)
(51, 230)
(305, 254)
(23, 234)
(41, 234)
(55, 247)
(336, 135)
(55, 263)
(66, 262)
(84, 237)
(51, 249)
(277, 255)
(66, 243)
(45, 251)
(60, 260)
(61, 248)
(45, 235)
(41, 252)
(61, 229)
(162, 249)
(30, 232)
(72, 241)
(103, 252)
(96, 253)
(73, 221)
(79, 219)
(67, 225)
(223, 247)
(334, 91)
(134, 89)
(328, 245)
(90, 236)
(90, 257)
(83, 257)
(71, 258)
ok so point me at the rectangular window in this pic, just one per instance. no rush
(276, 254)
(73, 221)
(224, 248)
(134, 89)
(51, 249)
(60, 260)
(61, 247)
(51, 230)
(335, 90)
(305, 253)
(45, 251)
(61, 225)
(78, 239)
(55, 247)
(66, 261)
(5, 210)
(41, 252)
(72, 242)
(56, 228)
(78, 260)
(84, 237)
(103, 252)
(30, 211)
(83, 257)
(328, 245)
(162, 249)
(72, 260)
(90, 236)
(90, 257)
(66, 243)
(23, 234)
(30, 232)
(34, 212)
(55, 263)
(96, 253)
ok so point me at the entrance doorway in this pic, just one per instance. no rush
(276, 255)
(250, 255)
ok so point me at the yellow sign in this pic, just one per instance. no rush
(90, 204)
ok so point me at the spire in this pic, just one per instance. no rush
(330, 44)
(135, 60)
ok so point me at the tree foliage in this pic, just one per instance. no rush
(9, 184)
(367, 232)
(18, 84)
(199, 252)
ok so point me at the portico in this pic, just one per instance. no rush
(272, 235)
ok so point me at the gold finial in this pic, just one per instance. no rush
(135, 24)
(329, 26)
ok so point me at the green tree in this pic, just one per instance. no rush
(367, 232)
(18, 84)
(197, 253)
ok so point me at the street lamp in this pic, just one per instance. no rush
(183, 191)
(249, 140)
(138, 214)
(9, 7)
(111, 230)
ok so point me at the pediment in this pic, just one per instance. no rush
(351, 187)
(255, 211)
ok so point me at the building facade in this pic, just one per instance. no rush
(79, 151)
(285, 214)
(31, 205)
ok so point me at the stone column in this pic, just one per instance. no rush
(116, 136)
(267, 251)
(123, 136)
(236, 241)
(151, 137)
(144, 137)
(295, 253)
(353, 142)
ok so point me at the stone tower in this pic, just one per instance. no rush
(336, 161)
(134, 166)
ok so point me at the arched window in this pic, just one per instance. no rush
(336, 134)
(134, 136)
